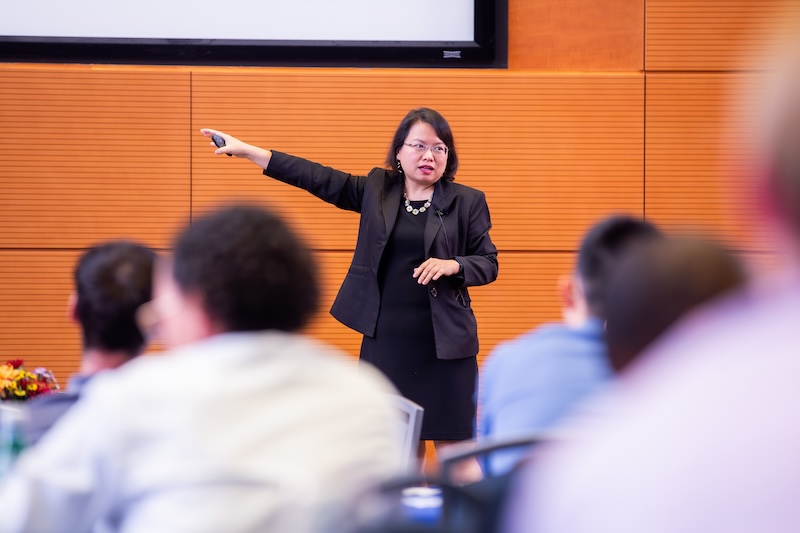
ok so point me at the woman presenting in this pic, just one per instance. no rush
(422, 240)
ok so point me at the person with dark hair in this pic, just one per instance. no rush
(244, 426)
(274, 285)
(531, 383)
(656, 285)
(111, 281)
(423, 240)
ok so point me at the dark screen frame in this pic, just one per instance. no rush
(488, 50)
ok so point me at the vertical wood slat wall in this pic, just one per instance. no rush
(601, 111)
(703, 93)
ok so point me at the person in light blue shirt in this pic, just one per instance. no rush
(532, 382)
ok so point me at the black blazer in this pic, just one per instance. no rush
(457, 228)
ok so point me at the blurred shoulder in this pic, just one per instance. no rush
(547, 332)
(527, 345)
(336, 365)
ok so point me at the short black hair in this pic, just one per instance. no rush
(658, 283)
(601, 249)
(250, 270)
(111, 281)
(439, 125)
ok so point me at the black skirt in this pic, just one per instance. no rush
(403, 346)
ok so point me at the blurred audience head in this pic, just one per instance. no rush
(656, 284)
(598, 255)
(238, 269)
(111, 281)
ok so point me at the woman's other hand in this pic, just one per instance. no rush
(434, 268)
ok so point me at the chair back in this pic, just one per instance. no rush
(482, 449)
(411, 414)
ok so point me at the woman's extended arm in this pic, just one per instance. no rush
(341, 189)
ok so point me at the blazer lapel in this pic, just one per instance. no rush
(443, 196)
(392, 193)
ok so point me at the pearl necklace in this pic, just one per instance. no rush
(414, 211)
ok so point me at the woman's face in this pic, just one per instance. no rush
(421, 165)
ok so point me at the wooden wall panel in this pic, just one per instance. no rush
(90, 154)
(552, 152)
(576, 34)
(710, 35)
(34, 292)
(697, 157)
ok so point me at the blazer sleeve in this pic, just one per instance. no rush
(480, 260)
(343, 190)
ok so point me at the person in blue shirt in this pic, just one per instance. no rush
(532, 382)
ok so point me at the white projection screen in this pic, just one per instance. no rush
(408, 33)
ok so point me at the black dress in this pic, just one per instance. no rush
(403, 347)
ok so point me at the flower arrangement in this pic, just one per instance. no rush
(18, 384)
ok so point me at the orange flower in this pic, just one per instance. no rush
(8, 379)
(18, 384)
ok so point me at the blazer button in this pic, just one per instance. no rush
(434, 292)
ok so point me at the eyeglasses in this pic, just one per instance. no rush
(437, 151)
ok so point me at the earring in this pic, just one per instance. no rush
(399, 168)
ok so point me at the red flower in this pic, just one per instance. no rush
(15, 363)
